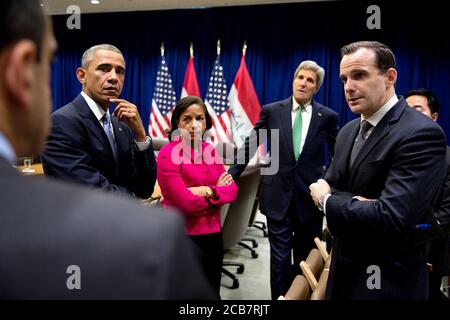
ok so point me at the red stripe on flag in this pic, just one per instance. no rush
(190, 84)
(246, 92)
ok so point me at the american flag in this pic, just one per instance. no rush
(163, 101)
(218, 106)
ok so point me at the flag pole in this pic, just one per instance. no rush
(191, 50)
(244, 48)
(218, 47)
(162, 49)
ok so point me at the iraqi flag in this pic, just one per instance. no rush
(244, 105)
(190, 85)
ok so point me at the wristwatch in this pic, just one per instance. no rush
(209, 192)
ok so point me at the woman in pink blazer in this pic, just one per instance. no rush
(194, 181)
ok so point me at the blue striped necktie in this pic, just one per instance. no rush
(106, 120)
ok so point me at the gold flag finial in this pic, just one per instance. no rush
(244, 48)
(218, 47)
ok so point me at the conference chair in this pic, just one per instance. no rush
(299, 290)
(158, 143)
(252, 222)
(312, 267)
(323, 251)
(235, 219)
(319, 292)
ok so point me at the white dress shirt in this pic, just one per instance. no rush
(99, 113)
(306, 119)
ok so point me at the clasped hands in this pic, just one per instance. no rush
(225, 179)
(321, 188)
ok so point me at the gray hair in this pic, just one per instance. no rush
(89, 53)
(313, 66)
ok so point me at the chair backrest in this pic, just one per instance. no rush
(322, 249)
(224, 213)
(158, 143)
(319, 291)
(227, 151)
(312, 267)
(236, 221)
(299, 289)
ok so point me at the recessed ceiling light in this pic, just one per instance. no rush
(95, 1)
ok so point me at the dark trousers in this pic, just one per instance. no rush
(210, 252)
(438, 256)
(286, 236)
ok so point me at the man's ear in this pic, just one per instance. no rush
(391, 77)
(81, 76)
(20, 69)
(434, 116)
(317, 89)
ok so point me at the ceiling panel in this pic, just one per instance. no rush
(60, 6)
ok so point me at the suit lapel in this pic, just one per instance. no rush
(91, 121)
(286, 124)
(117, 131)
(316, 117)
(93, 124)
(344, 156)
(121, 139)
(378, 133)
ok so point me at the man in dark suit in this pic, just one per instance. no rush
(425, 101)
(59, 241)
(305, 128)
(90, 146)
(377, 192)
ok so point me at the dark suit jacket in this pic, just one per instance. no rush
(78, 150)
(291, 182)
(442, 211)
(124, 250)
(440, 248)
(400, 165)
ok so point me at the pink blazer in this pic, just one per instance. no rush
(178, 169)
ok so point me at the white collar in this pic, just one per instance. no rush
(377, 116)
(295, 105)
(96, 109)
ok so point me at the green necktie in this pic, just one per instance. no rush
(297, 131)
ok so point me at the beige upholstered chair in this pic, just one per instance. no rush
(319, 291)
(312, 267)
(299, 290)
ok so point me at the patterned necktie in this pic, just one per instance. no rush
(360, 140)
(106, 120)
(297, 131)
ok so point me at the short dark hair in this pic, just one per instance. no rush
(181, 106)
(433, 101)
(22, 19)
(385, 58)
